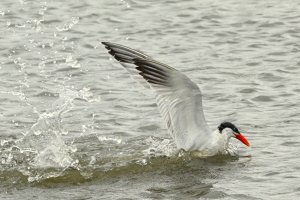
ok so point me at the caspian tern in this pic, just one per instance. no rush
(179, 101)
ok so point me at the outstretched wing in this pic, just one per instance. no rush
(178, 98)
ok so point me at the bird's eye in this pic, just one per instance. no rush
(236, 130)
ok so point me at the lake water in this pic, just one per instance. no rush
(74, 125)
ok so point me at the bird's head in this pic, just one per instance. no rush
(231, 131)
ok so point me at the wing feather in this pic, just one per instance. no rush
(178, 98)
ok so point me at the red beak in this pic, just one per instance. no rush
(241, 138)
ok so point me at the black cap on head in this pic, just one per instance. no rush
(228, 125)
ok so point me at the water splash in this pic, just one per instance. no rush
(72, 62)
(45, 139)
(109, 139)
(68, 26)
(126, 3)
(159, 147)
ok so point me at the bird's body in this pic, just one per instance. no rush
(179, 101)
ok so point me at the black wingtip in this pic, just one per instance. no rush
(105, 44)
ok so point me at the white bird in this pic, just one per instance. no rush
(179, 101)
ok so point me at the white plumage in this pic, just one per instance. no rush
(178, 98)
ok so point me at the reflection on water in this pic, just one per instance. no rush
(75, 126)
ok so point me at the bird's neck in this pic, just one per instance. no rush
(221, 141)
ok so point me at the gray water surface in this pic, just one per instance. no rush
(74, 125)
